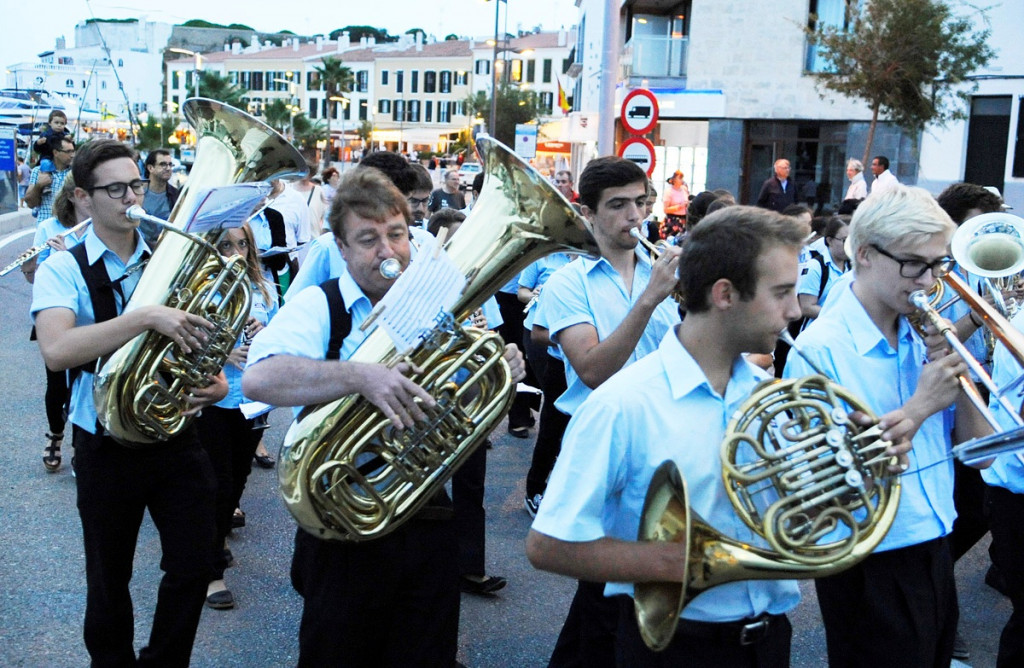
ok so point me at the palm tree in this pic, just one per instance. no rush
(277, 115)
(216, 87)
(336, 79)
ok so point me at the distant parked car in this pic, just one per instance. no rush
(467, 173)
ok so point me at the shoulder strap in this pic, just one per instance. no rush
(341, 320)
(824, 272)
(101, 292)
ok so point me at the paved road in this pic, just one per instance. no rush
(42, 582)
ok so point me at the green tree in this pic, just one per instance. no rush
(365, 132)
(216, 87)
(306, 133)
(154, 132)
(414, 31)
(356, 32)
(277, 115)
(907, 59)
(514, 106)
(336, 80)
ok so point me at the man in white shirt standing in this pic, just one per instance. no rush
(884, 179)
(858, 186)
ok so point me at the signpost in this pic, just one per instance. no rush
(639, 111)
(8, 149)
(526, 140)
(640, 151)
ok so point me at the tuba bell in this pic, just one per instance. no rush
(804, 477)
(344, 472)
(140, 389)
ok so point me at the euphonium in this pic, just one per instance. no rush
(800, 473)
(141, 389)
(345, 473)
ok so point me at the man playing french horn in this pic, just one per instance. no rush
(738, 273)
(898, 606)
(77, 302)
(394, 600)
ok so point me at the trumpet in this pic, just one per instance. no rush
(36, 250)
(656, 251)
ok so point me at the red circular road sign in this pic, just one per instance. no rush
(640, 151)
(639, 111)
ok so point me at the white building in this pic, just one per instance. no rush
(735, 84)
(988, 148)
(112, 83)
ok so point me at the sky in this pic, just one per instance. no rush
(439, 17)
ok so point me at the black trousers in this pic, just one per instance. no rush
(230, 441)
(388, 602)
(56, 400)
(470, 517)
(969, 498)
(587, 638)
(511, 331)
(116, 485)
(704, 644)
(550, 431)
(895, 608)
(1006, 516)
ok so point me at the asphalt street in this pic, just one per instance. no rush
(42, 580)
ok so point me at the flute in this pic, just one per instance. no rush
(36, 250)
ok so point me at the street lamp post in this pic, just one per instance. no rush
(330, 140)
(494, 72)
(292, 105)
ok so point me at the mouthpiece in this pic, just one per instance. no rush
(390, 268)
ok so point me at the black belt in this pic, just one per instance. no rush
(743, 632)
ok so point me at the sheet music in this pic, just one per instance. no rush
(427, 289)
(226, 207)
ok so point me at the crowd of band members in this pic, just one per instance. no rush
(616, 360)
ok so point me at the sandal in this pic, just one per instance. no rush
(52, 458)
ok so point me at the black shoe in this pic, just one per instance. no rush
(519, 432)
(486, 587)
(237, 519)
(221, 600)
(52, 458)
(960, 649)
(532, 504)
(264, 461)
(994, 579)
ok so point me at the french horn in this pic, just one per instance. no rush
(344, 472)
(141, 389)
(801, 474)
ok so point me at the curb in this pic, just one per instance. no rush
(16, 220)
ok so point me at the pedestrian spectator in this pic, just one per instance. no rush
(449, 195)
(778, 191)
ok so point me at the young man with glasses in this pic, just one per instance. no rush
(77, 302)
(44, 186)
(160, 195)
(898, 606)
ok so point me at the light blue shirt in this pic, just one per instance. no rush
(537, 274)
(845, 344)
(233, 374)
(323, 261)
(591, 291)
(810, 277)
(49, 228)
(660, 408)
(59, 284)
(1007, 471)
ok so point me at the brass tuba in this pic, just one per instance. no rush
(800, 473)
(140, 390)
(345, 473)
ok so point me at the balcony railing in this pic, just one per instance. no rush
(650, 56)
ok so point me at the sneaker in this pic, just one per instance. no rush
(960, 649)
(532, 504)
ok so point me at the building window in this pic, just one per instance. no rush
(362, 109)
(414, 111)
(399, 113)
(313, 81)
(362, 81)
(430, 82)
(120, 62)
(822, 13)
(446, 81)
(483, 67)
(384, 106)
(460, 78)
(256, 81)
(444, 111)
(313, 108)
(547, 101)
(428, 111)
(516, 70)
(414, 81)
(383, 77)
(399, 81)
(69, 83)
(531, 71)
(658, 43)
(546, 71)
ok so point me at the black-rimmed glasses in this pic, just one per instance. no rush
(917, 268)
(117, 190)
